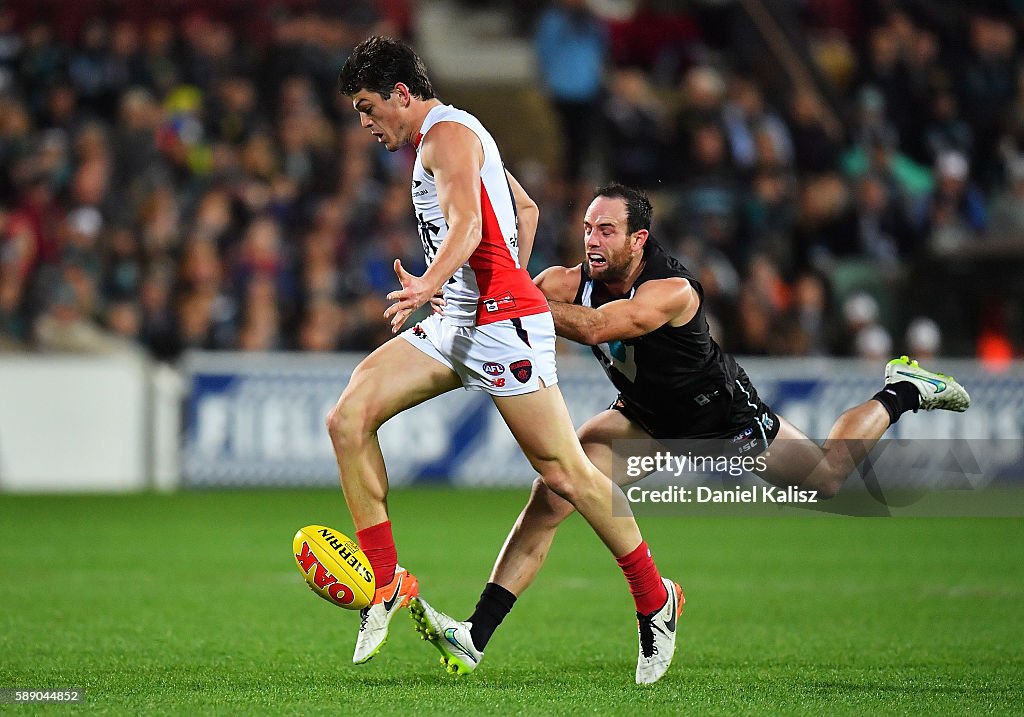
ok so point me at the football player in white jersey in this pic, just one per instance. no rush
(495, 334)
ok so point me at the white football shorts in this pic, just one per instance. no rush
(506, 358)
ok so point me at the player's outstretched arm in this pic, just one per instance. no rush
(527, 215)
(655, 304)
(558, 283)
(452, 153)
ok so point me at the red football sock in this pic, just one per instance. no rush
(644, 580)
(379, 546)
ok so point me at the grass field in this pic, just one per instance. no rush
(191, 604)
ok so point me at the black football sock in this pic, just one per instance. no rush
(495, 603)
(898, 398)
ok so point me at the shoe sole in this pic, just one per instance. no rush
(452, 664)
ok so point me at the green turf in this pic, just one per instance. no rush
(191, 604)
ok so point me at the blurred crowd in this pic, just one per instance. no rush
(198, 182)
(804, 206)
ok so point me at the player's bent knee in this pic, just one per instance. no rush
(560, 482)
(548, 505)
(350, 421)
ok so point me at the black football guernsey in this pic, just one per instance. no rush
(675, 382)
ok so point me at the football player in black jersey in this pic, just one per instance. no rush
(643, 314)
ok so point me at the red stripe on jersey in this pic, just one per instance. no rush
(506, 291)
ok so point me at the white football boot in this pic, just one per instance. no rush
(387, 600)
(658, 636)
(938, 391)
(451, 637)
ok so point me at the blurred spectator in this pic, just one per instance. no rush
(64, 325)
(261, 317)
(870, 340)
(923, 338)
(885, 72)
(572, 44)
(826, 225)
(196, 181)
(660, 39)
(1008, 207)
(955, 212)
(879, 154)
(90, 68)
(33, 228)
(764, 298)
(710, 200)
(987, 83)
(321, 325)
(748, 121)
(158, 66)
(815, 149)
(123, 320)
(873, 343)
(946, 131)
(42, 61)
(158, 324)
(702, 95)
(810, 317)
(11, 46)
(770, 213)
(634, 119)
(884, 233)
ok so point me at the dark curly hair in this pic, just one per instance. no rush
(378, 63)
(638, 206)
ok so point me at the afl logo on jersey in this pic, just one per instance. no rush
(493, 369)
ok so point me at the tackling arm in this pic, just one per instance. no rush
(558, 283)
(656, 303)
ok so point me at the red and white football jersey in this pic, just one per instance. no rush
(491, 286)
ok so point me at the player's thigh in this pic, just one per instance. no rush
(610, 439)
(541, 425)
(791, 457)
(396, 376)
